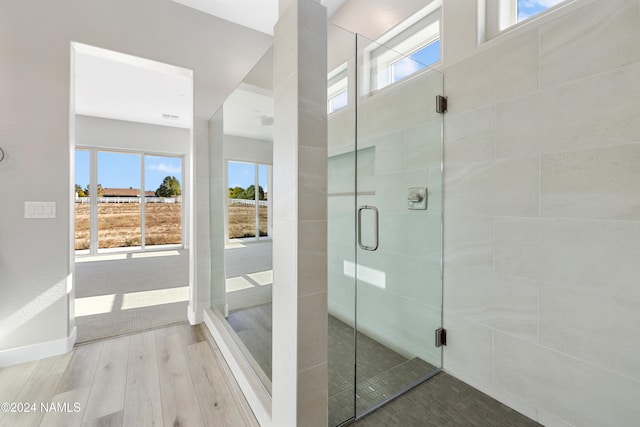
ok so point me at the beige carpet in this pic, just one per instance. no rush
(119, 294)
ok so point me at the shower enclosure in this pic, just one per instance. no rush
(384, 224)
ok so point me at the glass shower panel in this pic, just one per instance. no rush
(241, 290)
(341, 224)
(399, 202)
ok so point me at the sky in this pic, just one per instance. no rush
(243, 175)
(528, 8)
(418, 60)
(122, 170)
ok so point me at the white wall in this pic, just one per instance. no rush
(123, 135)
(542, 214)
(35, 255)
(243, 149)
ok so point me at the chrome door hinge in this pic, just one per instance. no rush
(441, 104)
(441, 337)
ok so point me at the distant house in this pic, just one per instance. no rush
(125, 192)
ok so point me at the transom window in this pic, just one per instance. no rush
(528, 8)
(337, 86)
(421, 58)
(503, 14)
(407, 49)
(403, 51)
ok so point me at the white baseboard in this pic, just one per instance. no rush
(195, 317)
(29, 353)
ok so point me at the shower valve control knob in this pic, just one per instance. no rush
(417, 198)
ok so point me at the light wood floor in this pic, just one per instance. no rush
(172, 376)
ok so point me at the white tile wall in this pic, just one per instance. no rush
(593, 112)
(599, 183)
(542, 225)
(596, 255)
(468, 241)
(498, 74)
(470, 136)
(568, 388)
(300, 383)
(600, 37)
(583, 328)
(505, 303)
(469, 348)
(500, 188)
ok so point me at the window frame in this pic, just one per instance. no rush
(94, 248)
(257, 183)
(415, 33)
(337, 84)
(501, 16)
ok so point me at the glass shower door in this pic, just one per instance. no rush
(384, 225)
(341, 206)
(399, 226)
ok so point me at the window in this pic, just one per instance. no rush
(411, 46)
(337, 89)
(338, 101)
(405, 50)
(528, 8)
(421, 58)
(248, 209)
(163, 201)
(502, 14)
(112, 211)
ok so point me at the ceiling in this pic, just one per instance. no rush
(248, 112)
(261, 15)
(122, 87)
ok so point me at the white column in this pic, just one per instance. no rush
(299, 385)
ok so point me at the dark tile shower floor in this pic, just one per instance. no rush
(381, 372)
(441, 401)
(445, 401)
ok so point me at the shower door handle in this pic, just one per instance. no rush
(376, 232)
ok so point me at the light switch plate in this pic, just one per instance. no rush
(39, 210)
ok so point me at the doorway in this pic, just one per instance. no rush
(131, 149)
